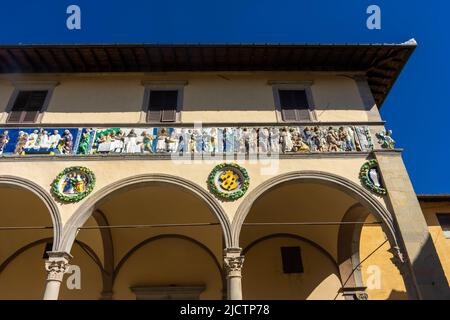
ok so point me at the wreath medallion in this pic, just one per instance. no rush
(228, 181)
(73, 184)
(370, 177)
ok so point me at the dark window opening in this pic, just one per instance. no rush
(162, 106)
(444, 221)
(27, 106)
(292, 260)
(294, 105)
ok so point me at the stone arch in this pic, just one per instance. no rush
(169, 236)
(343, 184)
(86, 209)
(296, 237)
(363, 196)
(45, 197)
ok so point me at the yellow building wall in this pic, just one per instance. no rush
(208, 96)
(263, 276)
(442, 244)
(381, 277)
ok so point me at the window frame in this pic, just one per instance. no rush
(19, 86)
(293, 85)
(162, 86)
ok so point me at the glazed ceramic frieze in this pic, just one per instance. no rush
(186, 140)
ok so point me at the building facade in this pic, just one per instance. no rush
(210, 172)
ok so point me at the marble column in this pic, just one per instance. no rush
(56, 265)
(233, 261)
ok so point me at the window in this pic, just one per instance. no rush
(292, 260)
(444, 221)
(294, 105)
(162, 106)
(27, 106)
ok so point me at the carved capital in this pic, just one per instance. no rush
(361, 296)
(56, 265)
(233, 261)
(399, 258)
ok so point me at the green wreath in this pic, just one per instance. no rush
(77, 197)
(228, 196)
(366, 181)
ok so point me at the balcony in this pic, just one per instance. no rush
(160, 142)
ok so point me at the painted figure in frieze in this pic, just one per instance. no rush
(32, 139)
(228, 140)
(253, 141)
(362, 140)
(213, 139)
(308, 137)
(286, 139)
(191, 142)
(131, 143)
(172, 142)
(147, 142)
(318, 139)
(236, 139)
(54, 139)
(198, 141)
(117, 141)
(298, 144)
(274, 140)
(182, 141)
(66, 144)
(206, 138)
(245, 141)
(385, 139)
(264, 140)
(21, 142)
(346, 138)
(332, 140)
(161, 141)
(44, 140)
(100, 142)
(4, 139)
(83, 148)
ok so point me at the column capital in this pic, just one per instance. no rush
(56, 265)
(233, 261)
(399, 259)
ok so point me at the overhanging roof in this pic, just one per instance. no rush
(433, 197)
(382, 63)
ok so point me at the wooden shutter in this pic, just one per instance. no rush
(155, 105)
(169, 112)
(294, 105)
(27, 106)
(162, 106)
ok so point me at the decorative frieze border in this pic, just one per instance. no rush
(189, 140)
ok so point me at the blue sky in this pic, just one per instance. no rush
(417, 109)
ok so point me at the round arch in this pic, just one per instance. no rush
(296, 237)
(338, 182)
(45, 197)
(170, 236)
(83, 213)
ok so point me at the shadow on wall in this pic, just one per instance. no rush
(263, 276)
(398, 295)
(429, 273)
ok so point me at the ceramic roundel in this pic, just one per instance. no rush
(73, 184)
(228, 181)
(370, 177)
